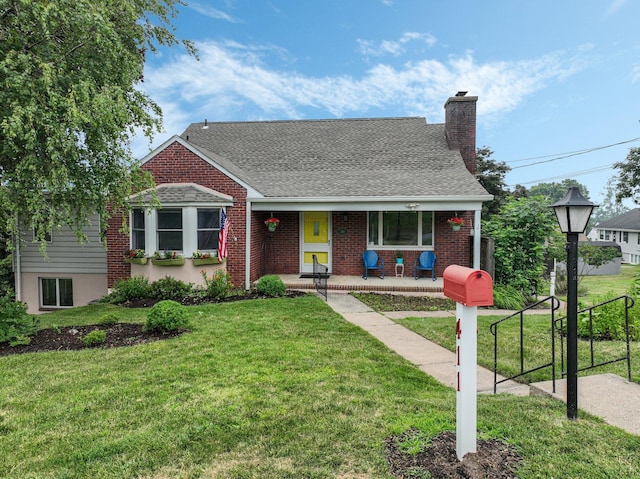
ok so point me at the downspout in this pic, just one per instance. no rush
(17, 267)
(476, 239)
(247, 246)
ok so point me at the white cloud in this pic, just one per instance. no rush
(614, 7)
(395, 47)
(212, 12)
(231, 82)
(635, 74)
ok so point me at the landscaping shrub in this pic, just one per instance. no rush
(15, 324)
(136, 287)
(271, 285)
(167, 315)
(219, 285)
(169, 288)
(508, 297)
(109, 319)
(94, 338)
(608, 321)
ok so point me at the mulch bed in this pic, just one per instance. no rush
(493, 459)
(70, 338)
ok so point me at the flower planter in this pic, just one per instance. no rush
(137, 260)
(272, 226)
(455, 227)
(399, 260)
(168, 262)
(203, 261)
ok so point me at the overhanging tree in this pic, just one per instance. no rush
(491, 174)
(628, 184)
(70, 103)
(524, 234)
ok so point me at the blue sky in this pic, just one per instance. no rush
(552, 77)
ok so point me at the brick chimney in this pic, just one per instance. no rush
(460, 127)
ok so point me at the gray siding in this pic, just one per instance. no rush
(64, 253)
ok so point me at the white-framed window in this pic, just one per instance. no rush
(625, 236)
(601, 232)
(400, 228)
(56, 292)
(208, 228)
(169, 230)
(607, 235)
(138, 229)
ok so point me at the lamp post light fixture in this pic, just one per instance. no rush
(573, 213)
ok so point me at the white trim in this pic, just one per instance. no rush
(247, 247)
(368, 204)
(476, 239)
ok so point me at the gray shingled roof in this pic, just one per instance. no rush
(172, 193)
(338, 158)
(626, 221)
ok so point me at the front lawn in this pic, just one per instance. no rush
(277, 388)
(537, 346)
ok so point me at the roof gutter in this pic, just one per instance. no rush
(371, 203)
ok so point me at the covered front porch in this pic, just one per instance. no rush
(390, 283)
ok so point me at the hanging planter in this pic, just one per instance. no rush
(456, 223)
(272, 223)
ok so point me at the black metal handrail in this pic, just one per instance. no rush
(559, 326)
(320, 275)
(555, 305)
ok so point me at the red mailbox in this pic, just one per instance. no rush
(470, 287)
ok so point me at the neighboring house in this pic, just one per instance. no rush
(624, 230)
(338, 187)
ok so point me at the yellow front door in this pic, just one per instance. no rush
(316, 239)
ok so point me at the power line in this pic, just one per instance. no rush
(566, 175)
(561, 156)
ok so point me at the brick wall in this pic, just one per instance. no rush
(176, 164)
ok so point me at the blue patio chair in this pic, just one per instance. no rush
(425, 262)
(372, 262)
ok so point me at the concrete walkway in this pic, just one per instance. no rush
(608, 396)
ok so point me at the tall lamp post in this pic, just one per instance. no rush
(573, 213)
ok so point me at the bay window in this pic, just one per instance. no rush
(183, 230)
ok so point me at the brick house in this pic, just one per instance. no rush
(338, 187)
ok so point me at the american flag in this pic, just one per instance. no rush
(222, 237)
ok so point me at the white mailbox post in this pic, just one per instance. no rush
(469, 288)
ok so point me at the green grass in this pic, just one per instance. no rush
(279, 388)
(600, 285)
(537, 346)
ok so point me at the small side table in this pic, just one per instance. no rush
(399, 270)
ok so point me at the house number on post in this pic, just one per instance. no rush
(469, 288)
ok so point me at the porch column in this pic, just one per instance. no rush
(247, 249)
(476, 239)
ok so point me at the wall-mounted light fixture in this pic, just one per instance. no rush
(412, 206)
